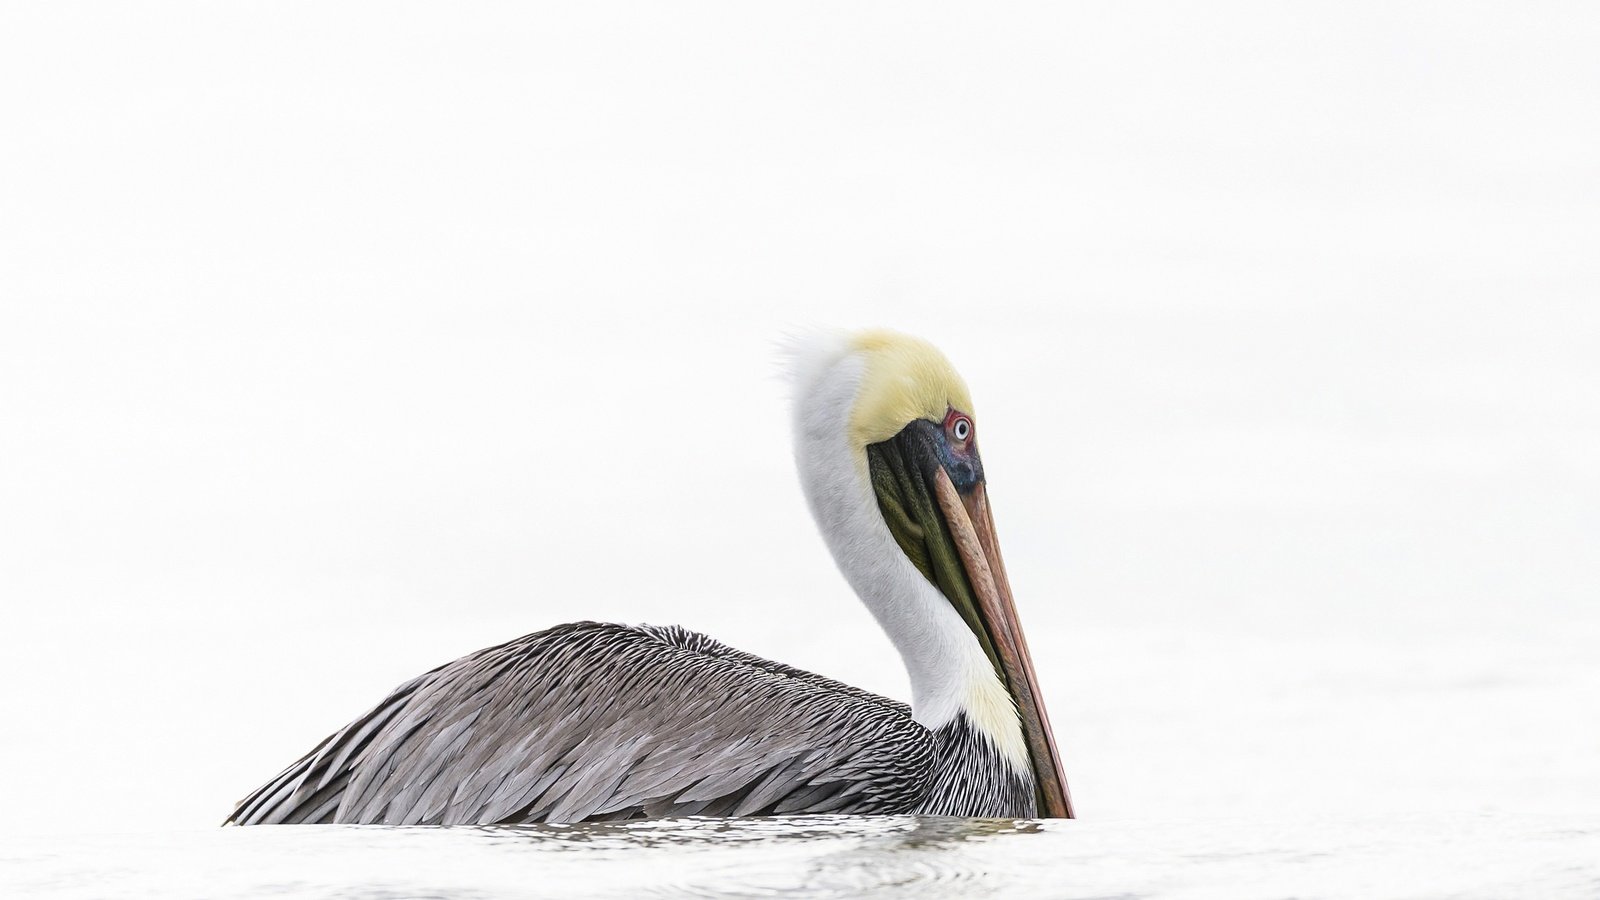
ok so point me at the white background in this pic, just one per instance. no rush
(338, 340)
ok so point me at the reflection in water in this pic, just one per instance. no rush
(888, 856)
(914, 861)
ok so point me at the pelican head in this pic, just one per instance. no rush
(886, 439)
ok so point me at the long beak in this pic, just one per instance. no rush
(949, 536)
(972, 527)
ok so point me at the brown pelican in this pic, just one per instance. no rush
(591, 721)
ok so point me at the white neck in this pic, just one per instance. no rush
(948, 669)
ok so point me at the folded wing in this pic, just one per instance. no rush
(592, 721)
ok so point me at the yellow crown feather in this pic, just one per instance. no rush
(906, 379)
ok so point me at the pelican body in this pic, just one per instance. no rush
(591, 721)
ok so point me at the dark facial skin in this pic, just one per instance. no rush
(952, 445)
(959, 451)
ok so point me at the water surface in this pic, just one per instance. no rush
(828, 857)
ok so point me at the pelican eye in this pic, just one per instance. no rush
(961, 428)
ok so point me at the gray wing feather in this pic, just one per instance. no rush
(595, 721)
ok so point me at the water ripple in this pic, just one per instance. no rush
(888, 858)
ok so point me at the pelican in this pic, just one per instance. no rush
(598, 722)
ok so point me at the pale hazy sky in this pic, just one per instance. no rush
(340, 339)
